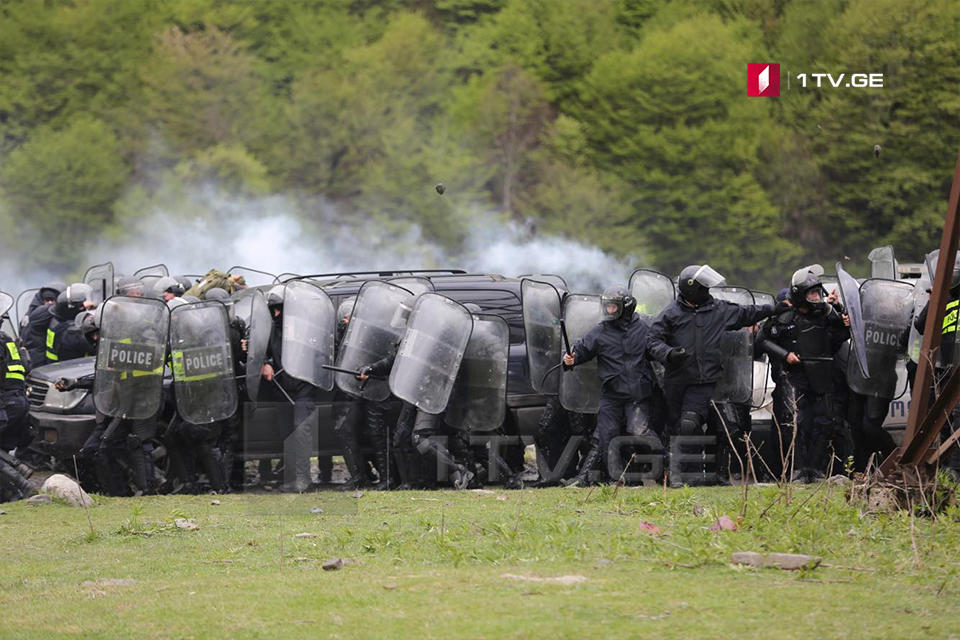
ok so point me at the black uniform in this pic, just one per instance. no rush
(34, 331)
(627, 382)
(298, 445)
(14, 426)
(689, 381)
(817, 383)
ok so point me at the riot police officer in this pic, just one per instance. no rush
(298, 444)
(805, 337)
(686, 337)
(61, 336)
(34, 325)
(14, 426)
(620, 343)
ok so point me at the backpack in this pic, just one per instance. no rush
(215, 279)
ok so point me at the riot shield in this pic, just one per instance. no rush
(736, 383)
(100, 279)
(130, 358)
(541, 326)
(921, 296)
(202, 362)
(887, 307)
(883, 264)
(22, 305)
(414, 284)
(478, 401)
(761, 363)
(309, 331)
(653, 291)
(259, 328)
(8, 326)
(762, 298)
(850, 297)
(558, 282)
(831, 283)
(252, 277)
(429, 356)
(153, 271)
(376, 326)
(580, 386)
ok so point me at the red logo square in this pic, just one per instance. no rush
(763, 80)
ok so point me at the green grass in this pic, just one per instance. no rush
(432, 565)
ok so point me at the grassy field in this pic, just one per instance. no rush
(567, 563)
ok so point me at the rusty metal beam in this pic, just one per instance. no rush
(917, 449)
(936, 455)
(922, 425)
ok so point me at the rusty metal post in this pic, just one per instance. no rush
(922, 427)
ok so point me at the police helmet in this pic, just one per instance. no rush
(619, 297)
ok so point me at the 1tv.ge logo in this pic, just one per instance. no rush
(763, 80)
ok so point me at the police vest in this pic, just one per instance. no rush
(950, 317)
(949, 331)
(51, 352)
(13, 371)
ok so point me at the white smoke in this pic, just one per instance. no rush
(283, 234)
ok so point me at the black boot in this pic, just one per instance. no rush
(13, 486)
(589, 465)
(458, 474)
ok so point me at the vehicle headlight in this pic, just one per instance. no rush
(63, 399)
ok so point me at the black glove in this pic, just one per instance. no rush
(782, 307)
(676, 355)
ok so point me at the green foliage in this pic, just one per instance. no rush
(65, 183)
(451, 564)
(623, 123)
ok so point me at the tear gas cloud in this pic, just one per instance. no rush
(279, 234)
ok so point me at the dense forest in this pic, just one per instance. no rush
(621, 124)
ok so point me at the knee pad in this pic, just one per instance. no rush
(689, 424)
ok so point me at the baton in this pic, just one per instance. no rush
(289, 399)
(566, 344)
(354, 372)
(816, 359)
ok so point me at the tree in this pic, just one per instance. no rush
(60, 186)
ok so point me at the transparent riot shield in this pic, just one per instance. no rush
(558, 282)
(22, 305)
(414, 284)
(580, 386)
(736, 383)
(921, 296)
(100, 279)
(376, 326)
(202, 362)
(831, 283)
(309, 331)
(153, 271)
(887, 307)
(478, 401)
(243, 304)
(541, 325)
(850, 297)
(429, 356)
(7, 325)
(883, 263)
(761, 364)
(259, 328)
(252, 277)
(130, 358)
(653, 290)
